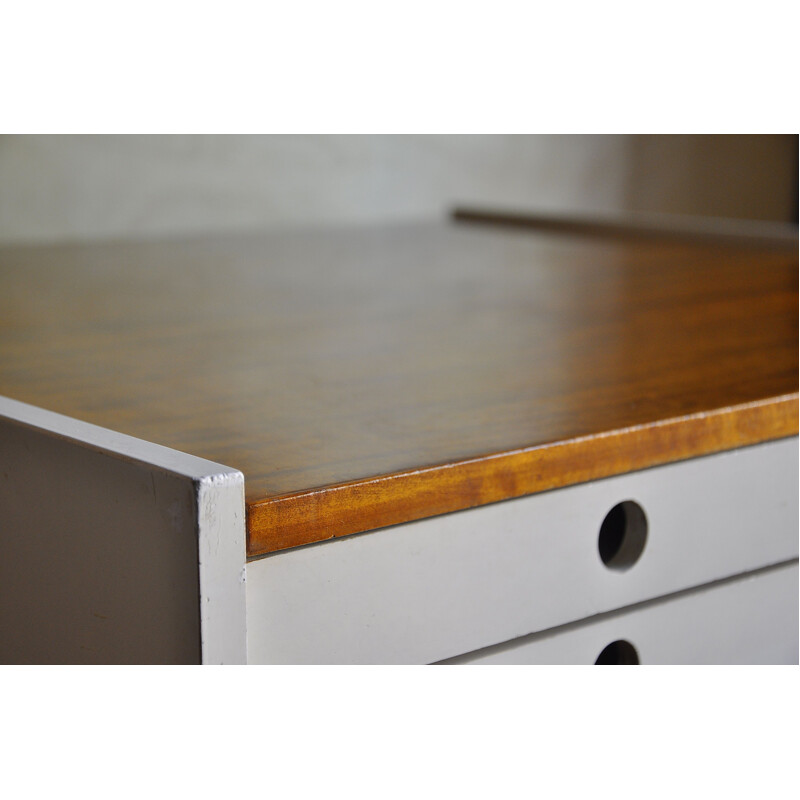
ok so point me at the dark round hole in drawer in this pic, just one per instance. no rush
(623, 535)
(619, 652)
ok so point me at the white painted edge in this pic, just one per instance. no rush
(219, 493)
(222, 555)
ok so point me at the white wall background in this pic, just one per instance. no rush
(74, 187)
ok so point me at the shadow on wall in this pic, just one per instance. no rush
(742, 177)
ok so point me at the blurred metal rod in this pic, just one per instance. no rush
(714, 230)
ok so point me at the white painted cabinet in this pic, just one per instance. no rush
(120, 550)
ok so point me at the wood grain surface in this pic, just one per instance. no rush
(366, 377)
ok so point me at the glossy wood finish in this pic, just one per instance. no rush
(362, 378)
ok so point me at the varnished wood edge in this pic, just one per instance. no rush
(748, 233)
(297, 519)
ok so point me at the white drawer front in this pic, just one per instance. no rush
(432, 589)
(747, 620)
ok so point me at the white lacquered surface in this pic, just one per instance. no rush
(748, 620)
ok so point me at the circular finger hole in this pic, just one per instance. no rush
(618, 652)
(623, 535)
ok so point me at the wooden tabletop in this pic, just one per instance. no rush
(369, 376)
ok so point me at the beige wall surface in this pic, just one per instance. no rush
(78, 187)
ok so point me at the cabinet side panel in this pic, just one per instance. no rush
(100, 554)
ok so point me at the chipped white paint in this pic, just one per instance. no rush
(221, 552)
(115, 549)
